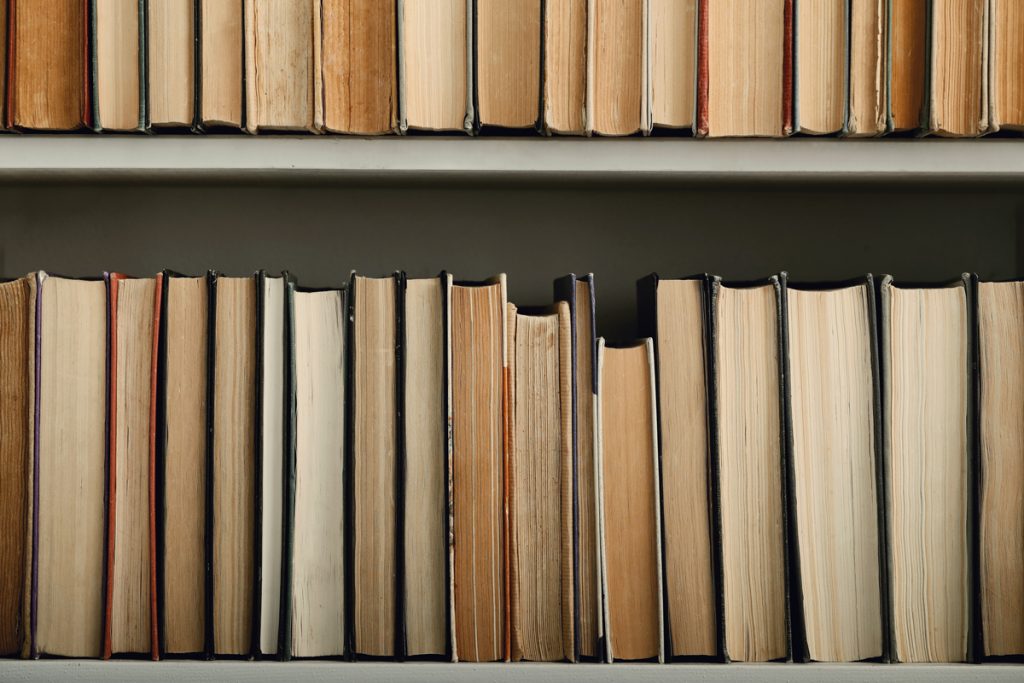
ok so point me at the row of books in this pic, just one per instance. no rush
(414, 467)
(577, 67)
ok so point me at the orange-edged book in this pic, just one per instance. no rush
(130, 624)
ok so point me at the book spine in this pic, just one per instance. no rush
(701, 127)
(113, 282)
(154, 428)
(787, 69)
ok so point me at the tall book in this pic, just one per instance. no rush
(927, 413)
(748, 461)
(170, 76)
(283, 81)
(435, 65)
(820, 85)
(578, 293)
(273, 417)
(674, 313)
(618, 82)
(17, 309)
(479, 506)
(221, 66)
(508, 62)
(868, 82)
(426, 593)
(957, 96)
(360, 66)
(47, 71)
(231, 477)
(375, 461)
(69, 465)
(1000, 395)
(745, 68)
(183, 447)
(316, 606)
(1006, 66)
(629, 513)
(118, 64)
(672, 54)
(540, 485)
(130, 623)
(907, 63)
(565, 66)
(834, 441)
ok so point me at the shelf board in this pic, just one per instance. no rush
(168, 158)
(118, 671)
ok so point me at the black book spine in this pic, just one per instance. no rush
(284, 633)
(400, 468)
(161, 465)
(349, 470)
(255, 649)
(211, 361)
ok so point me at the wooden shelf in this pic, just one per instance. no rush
(16, 671)
(58, 158)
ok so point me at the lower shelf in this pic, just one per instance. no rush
(13, 671)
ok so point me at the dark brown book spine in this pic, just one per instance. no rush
(9, 83)
(702, 67)
(108, 592)
(787, 70)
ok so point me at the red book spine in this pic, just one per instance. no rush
(86, 64)
(787, 70)
(702, 67)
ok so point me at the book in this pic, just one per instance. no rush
(130, 624)
(673, 312)
(540, 485)
(360, 67)
(1006, 28)
(821, 46)
(69, 467)
(273, 417)
(745, 69)
(184, 519)
(565, 67)
(748, 462)
(47, 70)
(283, 79)
(435, 56)
(673, 62)
(479, 506)
(316, 617)
(221, 66)
(17, 310)
(834, 437)
(1000, 535)
(579, 294)
(232, 469)
(618, 84)
(907, 63)
(508, 62)
(426, 430)
(375, 461)
(629, 513)
(868, 92)
(958, 68)
(926, 398)
(118, 63)
(170, 75)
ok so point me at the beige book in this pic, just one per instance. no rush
(436, 67)
(925, 397)
(833, 454)
(618, 78)
(1001, 462)
(426, 402)
(629, 515)
(220, 63)
(821, 52)
(1006, 75)
(540, 486)
(565, 66)
(118, 86)
(71, 461)
(673, 62)
(868, 78)
(185, 477)
(958, 68)
(318, 606)
(751, 477)
(171, 78)
(508, 62)
(234, 455)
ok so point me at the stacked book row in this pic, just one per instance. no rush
(577, 67)
(415, 467)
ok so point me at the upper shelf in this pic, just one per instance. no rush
(41, 158)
